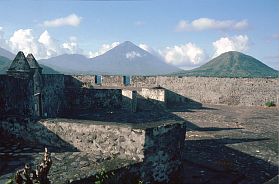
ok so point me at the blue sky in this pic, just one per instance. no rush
(184, 33)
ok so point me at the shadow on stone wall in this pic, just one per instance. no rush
(22, 141)
(175, 99)
(33, 134)
(180, 103)
(15, 97)
(82, 100)
(204, 161)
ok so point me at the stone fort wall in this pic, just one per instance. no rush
(15, 97)
(52, 94)
(158, 149)
(60, 91)
(230, 91)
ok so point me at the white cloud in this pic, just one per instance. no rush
(184, 55)
(243, 24)
(43, 47)
(104, 48)
(71, 46)
(23, 40)
(131, 55)
(236, 43)
(146, 47)
(183, 25)
(152, 51)
(202, 24)
(51, 46)
(3, 41)
(70, 20)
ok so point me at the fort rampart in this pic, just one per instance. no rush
(230, 91)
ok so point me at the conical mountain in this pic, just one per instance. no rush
(233, 64)
(129, 59)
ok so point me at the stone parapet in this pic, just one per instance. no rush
(156, 147)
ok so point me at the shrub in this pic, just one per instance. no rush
(270, 104)
(102, 176)
(10, 181)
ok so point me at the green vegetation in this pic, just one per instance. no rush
(232, 64)
(102, 176)
(10, 180)
(270, 104)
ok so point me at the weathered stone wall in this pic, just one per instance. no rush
(80, 95)
(231, 91)
(105, 139)
(115, 81)
(90, 80)
(151, 95)
(33, 132)
(52, 94)
(85, 99)
(16, 97)
(75, 82)
(55, 88)
(99, 139)
(157, 148)
(129, 100)
(162, 153)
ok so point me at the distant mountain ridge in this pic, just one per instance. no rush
(124, 59)
(232, 64)
(68, 63)
(129, 59)
(7, 54)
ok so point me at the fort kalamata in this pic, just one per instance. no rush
(106, 114)
(26, 90)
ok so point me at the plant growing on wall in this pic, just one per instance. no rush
(270, 104)
(102, 176)
(10, 181)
